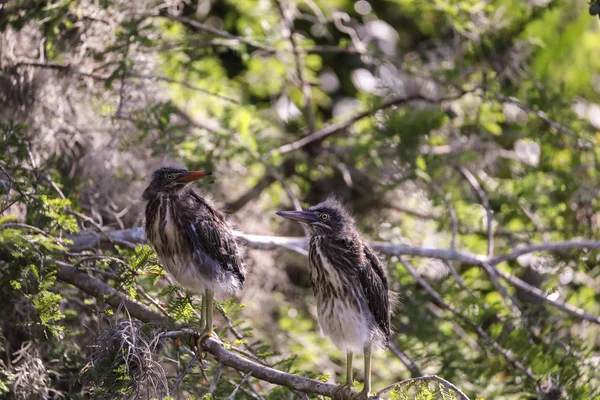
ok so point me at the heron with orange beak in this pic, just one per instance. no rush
(194, 242)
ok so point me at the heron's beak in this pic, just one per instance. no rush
(193, 176)
(301, 216)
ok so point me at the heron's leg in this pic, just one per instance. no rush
(203, 312)
(367, 388)
(209, 294)
(207, 317)
(344, 391)
(349, 376)
(364, 394)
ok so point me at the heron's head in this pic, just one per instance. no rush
(327, 218)
(170, 180)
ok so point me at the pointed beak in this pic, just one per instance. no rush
(193, 176)
(301, 216)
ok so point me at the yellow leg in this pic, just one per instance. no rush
(342, 392)
(209, 294)
(203, 312)
(364, 394)
(349, 374)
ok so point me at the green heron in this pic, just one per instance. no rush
(194, 242)
(350, 285)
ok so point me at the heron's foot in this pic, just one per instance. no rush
(362, 395)
(201, 336)
(343, 392)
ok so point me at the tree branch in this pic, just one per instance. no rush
(336, 127)
(92, 286)
(90, 241)
(131, 74)
(116, 299)
(198, 26)
(265, 373)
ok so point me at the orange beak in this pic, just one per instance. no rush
(194, 176)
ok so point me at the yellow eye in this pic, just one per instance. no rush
(170, 177)
(324, 217)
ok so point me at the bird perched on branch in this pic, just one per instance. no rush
(194, 242)
(350, 285)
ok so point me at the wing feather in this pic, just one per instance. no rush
(211, 234)
(374, 283)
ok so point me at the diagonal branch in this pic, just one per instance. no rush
(265, 373)
(198, 26)
(338, 126)
(69, 69)
(92, 286)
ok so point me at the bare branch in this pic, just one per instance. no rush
(198, 26)
(551, 246)
(265, 373)
(244, 379)
(336, 127)
(69, 69)
(67, 273)
(90, 241)
(412, 367)
(560, 304)
(184, 373)
(216, 377)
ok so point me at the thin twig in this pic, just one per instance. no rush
(489, 269)
(244, 379)
(184, 373)
(485, 203)
(69, 69)
(216, 377)
(412, 367)
(289, 33)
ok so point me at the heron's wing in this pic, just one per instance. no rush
(369, 271)
(211, 234)
(374, 283)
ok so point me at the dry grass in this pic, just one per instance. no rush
(29, 375)
(123, 363)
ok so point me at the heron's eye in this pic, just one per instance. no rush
(170, 177)
(324, 217)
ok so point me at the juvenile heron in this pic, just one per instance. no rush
(194, 242)
(350, 285)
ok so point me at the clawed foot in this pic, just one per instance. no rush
(362, 395)
(201, 336)
(343, 392)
